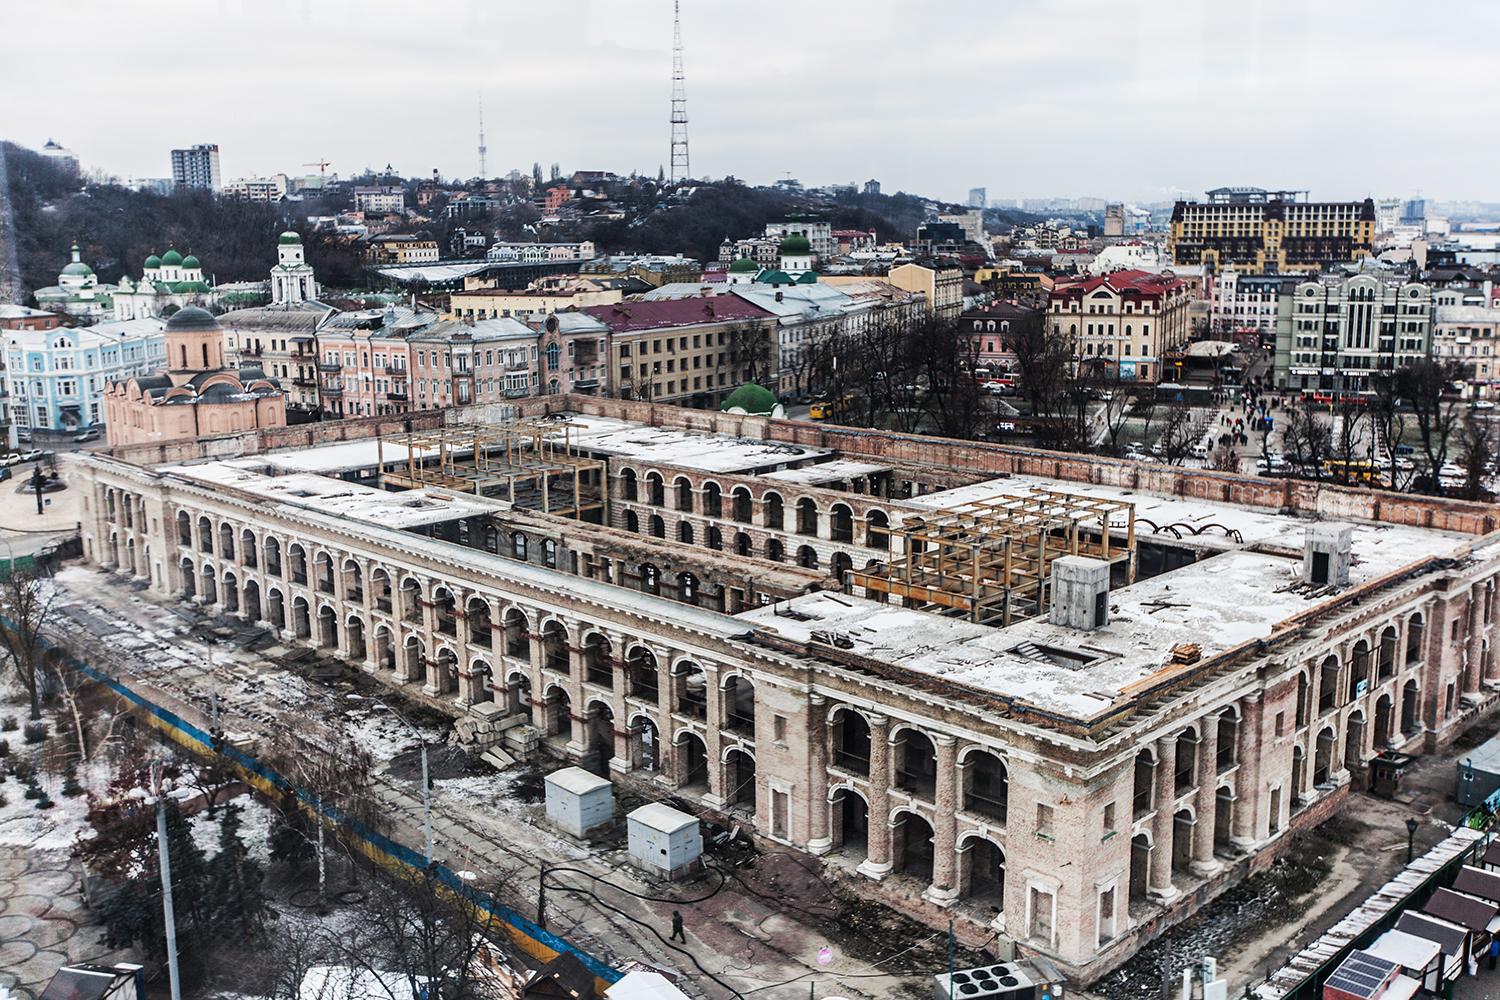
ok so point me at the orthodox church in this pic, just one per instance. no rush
(197, 395)
(78, 292)
(168, 280)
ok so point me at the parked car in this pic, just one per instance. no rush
(14, 458)
(1482, 404)
(4, 473)
(32, 455)
(89, 435)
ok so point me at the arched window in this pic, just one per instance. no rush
(549, 553)
(554, 356)
(518, 545)
(685, 532)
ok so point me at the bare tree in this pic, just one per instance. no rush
(1308, 439)
(411, 925)
(26, 600)
(1476, 456)
(334, 773)
(1177, 433)
(1427, 385)
(1347, 442)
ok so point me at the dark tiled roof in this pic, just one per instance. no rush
(1466, 911)
(1449, 937)
(1476, 882)
(628, 317)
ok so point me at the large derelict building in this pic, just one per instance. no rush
(1059, 698)
(1270, 232)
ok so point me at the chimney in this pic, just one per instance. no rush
(1327, 548)
(778, 296)
(1080, 592)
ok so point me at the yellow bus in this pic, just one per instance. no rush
(825, 408)
(1357, 470)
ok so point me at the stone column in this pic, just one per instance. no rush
(1474, 667)
(619, 685)
(577, 734)
(877, 864)
(1161, 824)
(944, 888)
(1247, 784)
(1207, 799)
(713, 742)
(819, 838)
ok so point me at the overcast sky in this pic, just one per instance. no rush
(1108, 98)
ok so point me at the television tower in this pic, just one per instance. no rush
(483, 174)
(680, 170)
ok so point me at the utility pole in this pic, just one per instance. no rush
(158, 788)
(680, 171)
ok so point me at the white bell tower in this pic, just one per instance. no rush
(292, 278)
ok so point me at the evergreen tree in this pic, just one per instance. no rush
(291, 842)
(238, 901)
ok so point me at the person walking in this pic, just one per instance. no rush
(677, 934)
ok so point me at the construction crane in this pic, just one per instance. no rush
(322, 166)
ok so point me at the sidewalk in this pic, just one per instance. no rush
(762, 929)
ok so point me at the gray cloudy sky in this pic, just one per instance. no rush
(1111, 98)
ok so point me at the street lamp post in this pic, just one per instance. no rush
(1411, 836)
(426, 784)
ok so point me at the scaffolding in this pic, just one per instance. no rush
(534, 464)
(988, 561)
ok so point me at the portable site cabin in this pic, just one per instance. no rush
(1481, 917)
(1418, 957)
(579, 802)
(1478, 774)
(1363, 976)
(1473, 881)
(1455, 941)
(665, 841)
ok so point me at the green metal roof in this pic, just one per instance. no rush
(755, 400)
(171, 258)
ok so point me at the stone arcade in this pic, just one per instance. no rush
(804, 628)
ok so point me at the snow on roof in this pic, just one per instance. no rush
(689, 449)
(576, 780)
(826, 472)
(1218, 602)
(341, 982)
(1378, 547)
(366, 504)
(661, 817)
(642, 985)
(330, 459)
(1406, 950)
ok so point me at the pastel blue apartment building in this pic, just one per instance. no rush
(55, 379)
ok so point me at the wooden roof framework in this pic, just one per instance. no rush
(534, 464)
(988, 561)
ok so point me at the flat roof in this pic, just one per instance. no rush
(1406, 950)
(1218, 603)
(820, 473)
(700, 450)
(335, 497)
(1207, 524)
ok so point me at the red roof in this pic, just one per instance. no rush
(1129, 283)
(630, 317)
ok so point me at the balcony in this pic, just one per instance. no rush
(393, 370)
(399, 395)
(516, 392)
(306, 383)
(332, 390)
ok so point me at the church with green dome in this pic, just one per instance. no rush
(78, 292)
(169, 280)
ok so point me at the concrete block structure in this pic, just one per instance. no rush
(841, 640)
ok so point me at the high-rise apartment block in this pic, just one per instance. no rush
(196, 167)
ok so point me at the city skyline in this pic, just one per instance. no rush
(1180, 104)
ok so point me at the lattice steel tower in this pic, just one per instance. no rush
(483, 149)
(679, 101)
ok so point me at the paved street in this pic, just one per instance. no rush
(764, 928)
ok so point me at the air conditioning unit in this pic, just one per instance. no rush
(1002, 981)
